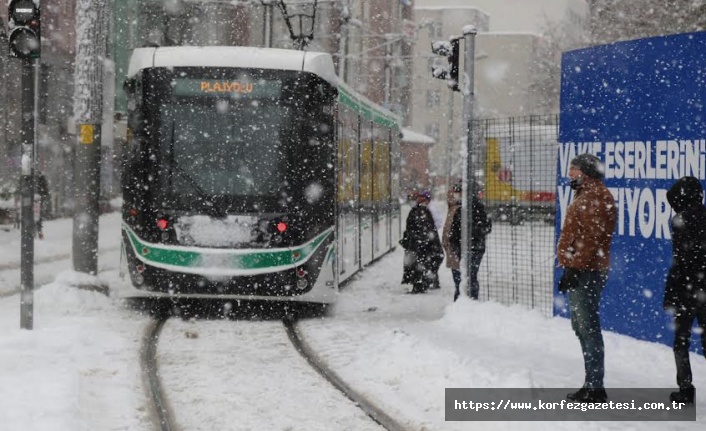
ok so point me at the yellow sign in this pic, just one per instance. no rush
(86, 136)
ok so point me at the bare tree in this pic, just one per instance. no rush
(546, 68)
(614, 20)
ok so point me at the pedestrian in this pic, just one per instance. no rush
(481, 226)
(685, 291)
(453, 251)
(410, 258)
(421, 239)
(584, 253)
(438, 224)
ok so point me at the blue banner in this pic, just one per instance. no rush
(640, 106)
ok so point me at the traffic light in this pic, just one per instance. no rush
(24, 28)
(450, 50)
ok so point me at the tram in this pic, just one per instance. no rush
(253, 173)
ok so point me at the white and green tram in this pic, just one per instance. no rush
(253, 173)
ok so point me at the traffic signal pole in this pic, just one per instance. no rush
(450, 50)
(27, 136)
(469, 33)
(24, 40)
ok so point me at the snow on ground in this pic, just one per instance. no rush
(78, 368)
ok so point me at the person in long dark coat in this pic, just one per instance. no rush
(685, 292)
(481, 227)
(422, 240)
(410, 258)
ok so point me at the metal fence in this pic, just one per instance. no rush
(515, 161)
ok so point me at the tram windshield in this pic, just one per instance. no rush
(224, 151)
(232, 139)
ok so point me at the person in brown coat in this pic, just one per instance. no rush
(584, 252)
(453, 259)
(481, 227)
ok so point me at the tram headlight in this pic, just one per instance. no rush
(302, 283)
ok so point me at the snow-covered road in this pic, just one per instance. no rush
(78, 369)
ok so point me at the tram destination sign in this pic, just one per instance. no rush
(250, 89)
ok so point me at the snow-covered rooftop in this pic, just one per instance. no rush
(409, 135)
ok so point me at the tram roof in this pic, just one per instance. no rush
(318, 63)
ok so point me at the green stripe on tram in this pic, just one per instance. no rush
(178, 257)
(367, 111)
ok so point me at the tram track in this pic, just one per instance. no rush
(150, 375)
(164, 415)
(374, 412)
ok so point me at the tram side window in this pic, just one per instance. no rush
(348, 156)
(396, 160)
(381, 165)
(133, 160)
(320, 132)
(366, 174)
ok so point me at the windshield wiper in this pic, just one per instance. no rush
(213, 208)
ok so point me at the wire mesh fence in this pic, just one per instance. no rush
(515, 164)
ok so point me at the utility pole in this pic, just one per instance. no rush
(469, 34)
(389, 39)
(91, 38)
(267, 20)
(343, 42)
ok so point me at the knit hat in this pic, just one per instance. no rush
(589, 164)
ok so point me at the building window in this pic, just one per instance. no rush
(433, 98)
(432, 130)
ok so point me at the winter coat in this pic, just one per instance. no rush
(481, 227)
(686, 285)
(585, 239)
(420, 236)
(453, 260)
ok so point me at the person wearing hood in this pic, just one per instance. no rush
(583, 251)
(421, 239)
(685, 291)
